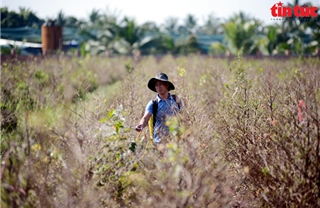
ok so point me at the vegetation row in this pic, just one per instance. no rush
(248, 136)
(106, 33)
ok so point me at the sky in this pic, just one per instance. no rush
(152, 10)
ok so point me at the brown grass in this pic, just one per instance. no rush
(239, 141)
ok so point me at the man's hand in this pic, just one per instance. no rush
(143, 122)
(139, 127)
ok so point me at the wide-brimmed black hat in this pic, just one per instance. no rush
(162, 77)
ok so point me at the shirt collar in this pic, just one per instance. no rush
(159, 98)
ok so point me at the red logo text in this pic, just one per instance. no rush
(278, 10)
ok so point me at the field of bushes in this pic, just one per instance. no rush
(248, 136)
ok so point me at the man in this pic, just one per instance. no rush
(167, 105)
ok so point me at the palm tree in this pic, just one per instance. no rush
(61, 18)
(72, 22)
(241, 34)
(292, 35)
(132, 37)
(150, 27)
(10, 19)
(29, 18)
(314, 26)
(171, 25)
(94, 16)
(271, 39)
(212, 26)
(190, 23)
(99, 33)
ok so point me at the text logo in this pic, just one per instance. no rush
(278, 10)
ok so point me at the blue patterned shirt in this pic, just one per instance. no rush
(165, 108)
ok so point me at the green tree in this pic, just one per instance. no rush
(99, 32)
(298, 36)
(183, 38)
(61, 18)
(212, 26)
(191, 24)
(25, 17)
(72, 22)
(170, 25)
(10, 19)
(94, 16)
(67, 21)
(242, 34)
(314, 25)
(271, 40)
(187, 45)
(133, 37)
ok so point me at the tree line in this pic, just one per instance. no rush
(105, 32)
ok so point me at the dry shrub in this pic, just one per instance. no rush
(40, 138)
(239, 141)
(264, 133)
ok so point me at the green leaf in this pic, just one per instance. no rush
(102, 120)
(111, 113)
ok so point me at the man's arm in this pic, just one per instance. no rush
(144, 121)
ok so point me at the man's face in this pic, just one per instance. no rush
(161, 87)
